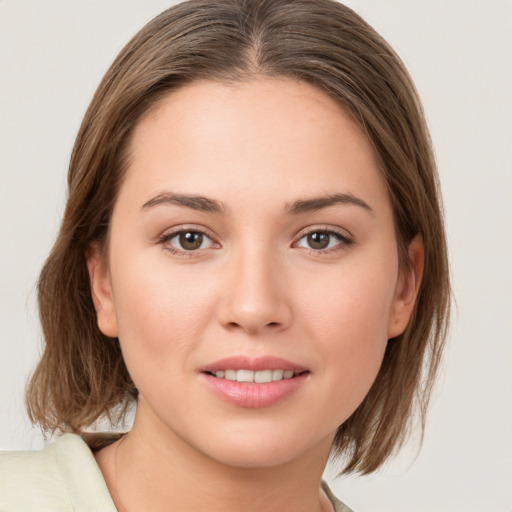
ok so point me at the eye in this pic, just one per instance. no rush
(186, 240)
(323, 240)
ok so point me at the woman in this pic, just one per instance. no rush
(253, 251)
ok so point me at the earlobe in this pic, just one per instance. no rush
(407, 288)
(101, 291)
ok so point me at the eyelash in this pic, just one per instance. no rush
(344, 241)
(165, 238)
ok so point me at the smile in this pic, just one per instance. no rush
(259, 377)
(254, 382)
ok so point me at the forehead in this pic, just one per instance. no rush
(260, 138)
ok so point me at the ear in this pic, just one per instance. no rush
(407, 289)
(101, 291)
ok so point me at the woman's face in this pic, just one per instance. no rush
(252, 239)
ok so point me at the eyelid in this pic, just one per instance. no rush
(345, 237)
(341, 232)
(170, 233)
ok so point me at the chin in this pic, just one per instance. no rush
(259, 449)
(255, 457)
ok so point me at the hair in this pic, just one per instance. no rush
(81, 375)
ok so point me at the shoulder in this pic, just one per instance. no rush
(63, 476)
(337, 504)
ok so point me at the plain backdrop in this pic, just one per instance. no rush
(52, 56)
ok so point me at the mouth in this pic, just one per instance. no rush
(258, 377)
(254, 382)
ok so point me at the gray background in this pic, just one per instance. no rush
(52, 56)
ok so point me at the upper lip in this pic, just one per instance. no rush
(253, 363)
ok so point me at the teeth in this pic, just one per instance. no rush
(263, 376)
(245, 376)
(230, 374)
(277, 374)
(259, 377)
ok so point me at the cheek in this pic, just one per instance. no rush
(348, 320)
(160, 313)
(353, 302)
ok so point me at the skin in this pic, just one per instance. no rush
(255, 287)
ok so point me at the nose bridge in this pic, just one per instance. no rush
(255, 296)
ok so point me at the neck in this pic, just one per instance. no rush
(158, 471)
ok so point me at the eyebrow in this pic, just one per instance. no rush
(317, 203)
(298, 207)
(200, 203)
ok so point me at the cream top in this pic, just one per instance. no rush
(63, 477)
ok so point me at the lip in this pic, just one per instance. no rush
(255, 364)
(249, 394)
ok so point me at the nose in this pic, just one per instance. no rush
(255, 298)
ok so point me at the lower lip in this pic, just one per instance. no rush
(252, 395)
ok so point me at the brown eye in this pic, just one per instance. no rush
(184, 241)
(190, 240)
(323, 240)
(318, 240)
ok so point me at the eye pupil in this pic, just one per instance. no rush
(190, 240)
(318, 240)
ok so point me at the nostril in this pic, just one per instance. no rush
(251, 328)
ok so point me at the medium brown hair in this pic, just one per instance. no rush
(82, 375)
